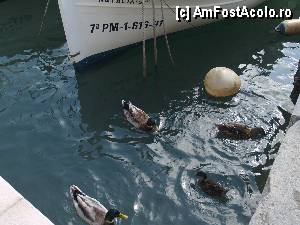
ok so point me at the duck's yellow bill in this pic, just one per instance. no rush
(123, 216)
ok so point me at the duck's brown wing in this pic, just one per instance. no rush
(234, 130)
(214, 189)
(136, 116)
(139, 115)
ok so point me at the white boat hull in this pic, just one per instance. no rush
(93, 27)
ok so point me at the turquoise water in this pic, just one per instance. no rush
(59, 127)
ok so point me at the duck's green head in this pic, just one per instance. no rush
(257, 132)
(114, 213)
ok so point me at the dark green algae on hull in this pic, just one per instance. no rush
(61, 128)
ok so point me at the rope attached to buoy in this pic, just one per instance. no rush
(43, 18)
(154, 34)
(144, 41)
(165, 33)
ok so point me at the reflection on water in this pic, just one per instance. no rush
(20, 23)
(60, 128)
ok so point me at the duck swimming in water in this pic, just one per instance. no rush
(92, 211)
(210, 187)
(240, 131)
(138, 118)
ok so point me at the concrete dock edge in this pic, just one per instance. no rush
(281, 196)
(16, 210)
(296, 113)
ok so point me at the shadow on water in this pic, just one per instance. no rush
(20, 24)
(296, 89)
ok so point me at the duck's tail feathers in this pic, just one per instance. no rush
(161, 124)
(75, 191)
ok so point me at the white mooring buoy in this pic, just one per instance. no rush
(222, 82)
(289, 27)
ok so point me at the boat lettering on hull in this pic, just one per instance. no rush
(112, 27)
(91, 25)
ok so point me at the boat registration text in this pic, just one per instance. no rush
(116, 26)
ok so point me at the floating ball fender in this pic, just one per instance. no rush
(222, 82)
(289, 27)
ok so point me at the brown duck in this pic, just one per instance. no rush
(210, 187)
(138, 118)
(240, 131)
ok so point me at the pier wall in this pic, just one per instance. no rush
(281, 196)
(16, 210)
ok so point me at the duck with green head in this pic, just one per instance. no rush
(138, 118)
(92, 211)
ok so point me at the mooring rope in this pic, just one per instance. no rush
(43, 18)
(144, 42)
(165, 33)
(154, 34)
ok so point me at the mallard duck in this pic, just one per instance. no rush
(210, 187)
(92, 211)
(240, 131)
(138, 118)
